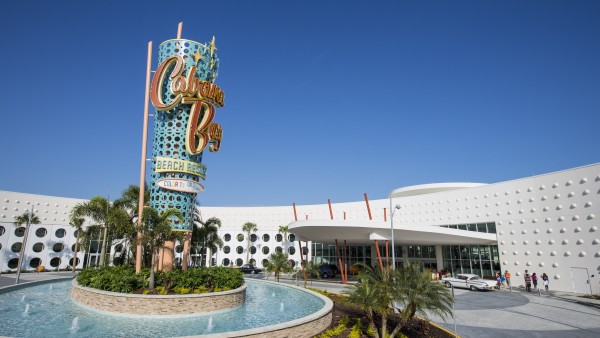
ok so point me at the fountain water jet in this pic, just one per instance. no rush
(281, 307)
(210, 325)
(26, 312)
(75, 324)
(23, 299)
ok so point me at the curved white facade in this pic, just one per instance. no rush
(546, 223)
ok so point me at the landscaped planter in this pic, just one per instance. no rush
(156, 305)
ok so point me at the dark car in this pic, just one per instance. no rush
(249, 268)
(328, 270)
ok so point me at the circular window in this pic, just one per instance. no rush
(278, 237)
(265, 262)
(304, 250)
(253, 238)
(12, 264)
(291, 250)
(16, 247)
(266, 238)
(38, 247)
(239, 262)
(71, 261)
(239, 250)
(291, 237)
(1, 230)
(73, 248)
(253, 261)
(34, 263)
(60, 233)
(278, 249)
(0, 246)
(58, 247)
(41, 232)
(227, 237)
(292, 263)
(118, 248)
(226, 249)
(179, 249)
(76, 233)
(55, 262)
(252, 250)
(226, 262)
(240, 237)
(20, 231)
(265, 250)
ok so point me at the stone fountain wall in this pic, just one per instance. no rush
(156, 305)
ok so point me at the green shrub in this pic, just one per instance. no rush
(356, 330)
(124, 279)
(338, 330)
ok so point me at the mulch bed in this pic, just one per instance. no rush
(416, 328)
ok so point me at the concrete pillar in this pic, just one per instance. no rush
(438, 257)
(187, 239)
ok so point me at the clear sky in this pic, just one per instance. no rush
(323, 99)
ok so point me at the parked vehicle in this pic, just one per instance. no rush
(328, 270)
(469, 281)
(249, 268)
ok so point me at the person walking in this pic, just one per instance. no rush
(534, 279)
(527, 281)
(507, 276)
(498, 281)
(502, 281)
(545, 280)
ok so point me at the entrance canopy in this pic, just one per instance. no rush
(364, 232)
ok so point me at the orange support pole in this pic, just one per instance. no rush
(378, 254)
(368, 207)
(385, 214)
(306, 217)
(295, 214)
(337, 253)
(330, 210)
(303, 262)
(344, 215)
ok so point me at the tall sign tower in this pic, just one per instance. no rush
(185, 96)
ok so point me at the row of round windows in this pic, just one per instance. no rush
(35, 262)
(39, 247)
(40, 232)
(240, 262)
(265, 250)
(254, 237)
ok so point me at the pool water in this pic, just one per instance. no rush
(47, 310)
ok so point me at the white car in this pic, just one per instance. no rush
(469, 281)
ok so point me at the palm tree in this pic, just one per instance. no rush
(157, 230)
(104, 214)
(129, 201)
(249, 228)
(205, 235)
(278, 263)
(77, 223)
(409, 287)
(28, 218)
(420, 296)
(310, 269)
(283, 229)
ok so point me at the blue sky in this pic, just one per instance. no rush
(324, 99)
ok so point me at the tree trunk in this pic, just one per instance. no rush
(208, 256)
(248, 250)
(76, 249)
(372, 323)
(384, 324)
(151, 279)
(103, 251)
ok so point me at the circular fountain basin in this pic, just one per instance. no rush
(270, 310)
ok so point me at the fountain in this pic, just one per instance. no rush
(75, 324)
(303, 313)
(50, 287)
(210, 325)
(23, 299)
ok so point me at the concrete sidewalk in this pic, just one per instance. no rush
(27, 277)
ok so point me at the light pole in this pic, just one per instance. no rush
(392, 212)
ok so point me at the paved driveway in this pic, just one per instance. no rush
(521, 314)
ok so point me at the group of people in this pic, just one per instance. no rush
(504, 280)
(533, 278)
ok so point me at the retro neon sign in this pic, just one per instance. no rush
(202, 95)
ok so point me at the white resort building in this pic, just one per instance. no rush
(544, 224)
